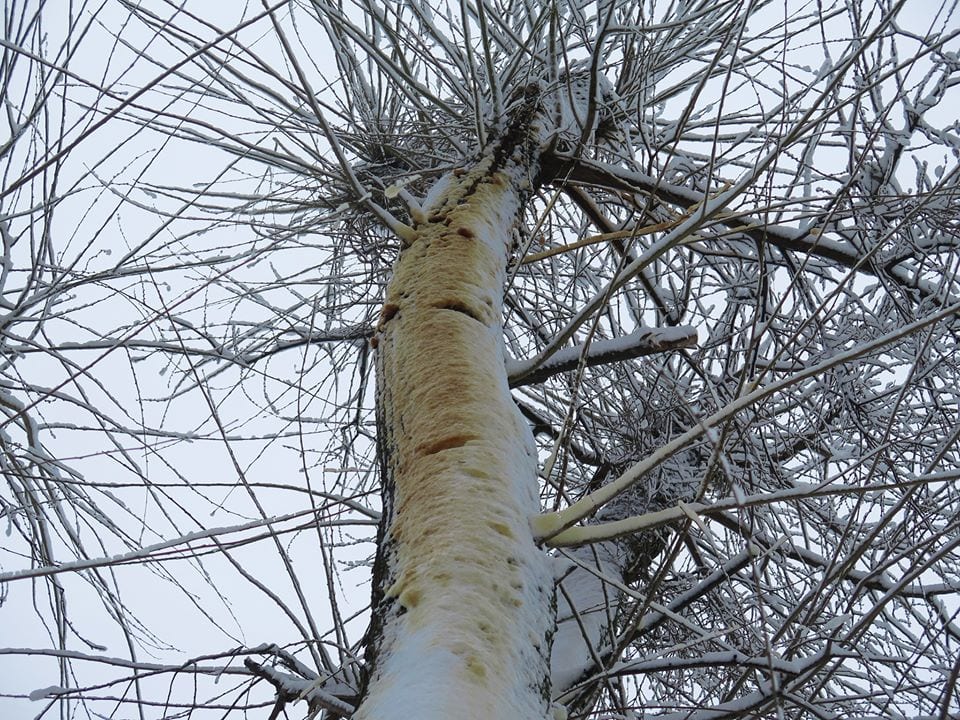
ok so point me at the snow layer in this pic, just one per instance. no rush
(583, 614)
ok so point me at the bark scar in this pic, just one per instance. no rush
(387, 313)
(460, 307)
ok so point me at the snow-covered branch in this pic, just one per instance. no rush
(645, 341)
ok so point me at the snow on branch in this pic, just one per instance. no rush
(175, 547)
(291, 688)
(581, 535)
(725, 657)
(585, 171)
(645, 341)
(556, 527)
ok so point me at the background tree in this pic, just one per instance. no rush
(728, 317)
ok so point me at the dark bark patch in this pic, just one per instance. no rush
(447, 443)
(388, 312)
(466, 232)
(459, 307)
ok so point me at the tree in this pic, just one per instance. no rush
(481, 359)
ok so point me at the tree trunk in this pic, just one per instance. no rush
(463, 603)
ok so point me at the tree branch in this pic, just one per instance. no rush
(645, 341)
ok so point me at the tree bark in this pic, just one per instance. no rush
(463, 603)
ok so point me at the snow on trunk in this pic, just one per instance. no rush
(464, 612)
(586, 632)
(584, 615)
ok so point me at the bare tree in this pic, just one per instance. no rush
(480, 359)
